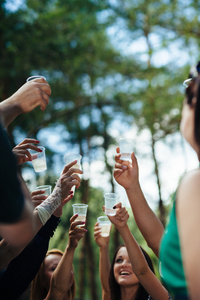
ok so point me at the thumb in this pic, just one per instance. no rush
(118, 205)
(134, 159)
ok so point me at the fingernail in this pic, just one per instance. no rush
(71, 192)
(85, 230)
(83, 222)
(37, 141)
(114, 207)
(124, 167)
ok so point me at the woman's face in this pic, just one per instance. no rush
(51, 262)
(123, 272)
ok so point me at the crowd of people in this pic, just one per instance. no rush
(29, 220)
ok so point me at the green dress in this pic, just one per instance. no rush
(171, 266)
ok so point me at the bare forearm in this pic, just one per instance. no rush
(136, 256)
(62, 275)
(104, 269)
(8, 111)
(147, 222)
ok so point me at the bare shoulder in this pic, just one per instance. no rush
(189, 189)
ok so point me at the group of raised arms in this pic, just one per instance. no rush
(29, 220)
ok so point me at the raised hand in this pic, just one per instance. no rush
(126, 173)
(102, 242)
(75, 233)
(38, 197)
(69, 178)
(21, 150)
(32, 94)
(121, 217)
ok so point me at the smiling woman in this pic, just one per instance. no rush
(122, 278)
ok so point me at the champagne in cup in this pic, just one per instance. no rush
(68, 158)
(81, 210)
(126, 148)
(104, 224)
(39, 159)
(110, 200)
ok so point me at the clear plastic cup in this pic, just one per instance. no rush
(105, 225)
(35, 77)
(46, 188)
(126, 148)
(110, 200)
(39, 160)
(68, 158)
(81, 210)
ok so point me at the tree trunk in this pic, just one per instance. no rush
(161, 207)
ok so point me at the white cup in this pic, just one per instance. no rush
(39, 159)
(126, 148)
(110, 200)
(46, 188)
(81, 210)
(105, 225)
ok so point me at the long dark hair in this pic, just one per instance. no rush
(115, 287)
(193, 90)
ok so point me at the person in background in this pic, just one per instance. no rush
(131, 274)
(55, 279)
(19, 265)
(178, 247)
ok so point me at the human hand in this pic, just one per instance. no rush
(126, 173)
(58, 212)
(121, 217)
(21, 152)
(102, 242)
(32, 94)
(38, 197)
(69, 178)
(75, 233)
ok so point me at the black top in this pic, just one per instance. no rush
(11, 197)
(23, 269)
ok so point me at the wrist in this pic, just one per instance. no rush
(122, 229)
(134, 188)
(71, 246)
(103, 247)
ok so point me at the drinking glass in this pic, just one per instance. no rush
(81, 210)
(105, 225)
(110, 200)
(126, 148)
(39, 159)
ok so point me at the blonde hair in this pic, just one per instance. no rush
(38, 290)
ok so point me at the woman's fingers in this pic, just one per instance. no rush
(28, 141)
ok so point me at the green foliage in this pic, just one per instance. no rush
(97, 85)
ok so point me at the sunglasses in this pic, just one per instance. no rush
(194, 72)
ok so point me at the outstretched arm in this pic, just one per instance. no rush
(62, 275)
(127, 175)
(104, 261)
(139, 264)
(32, 94)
